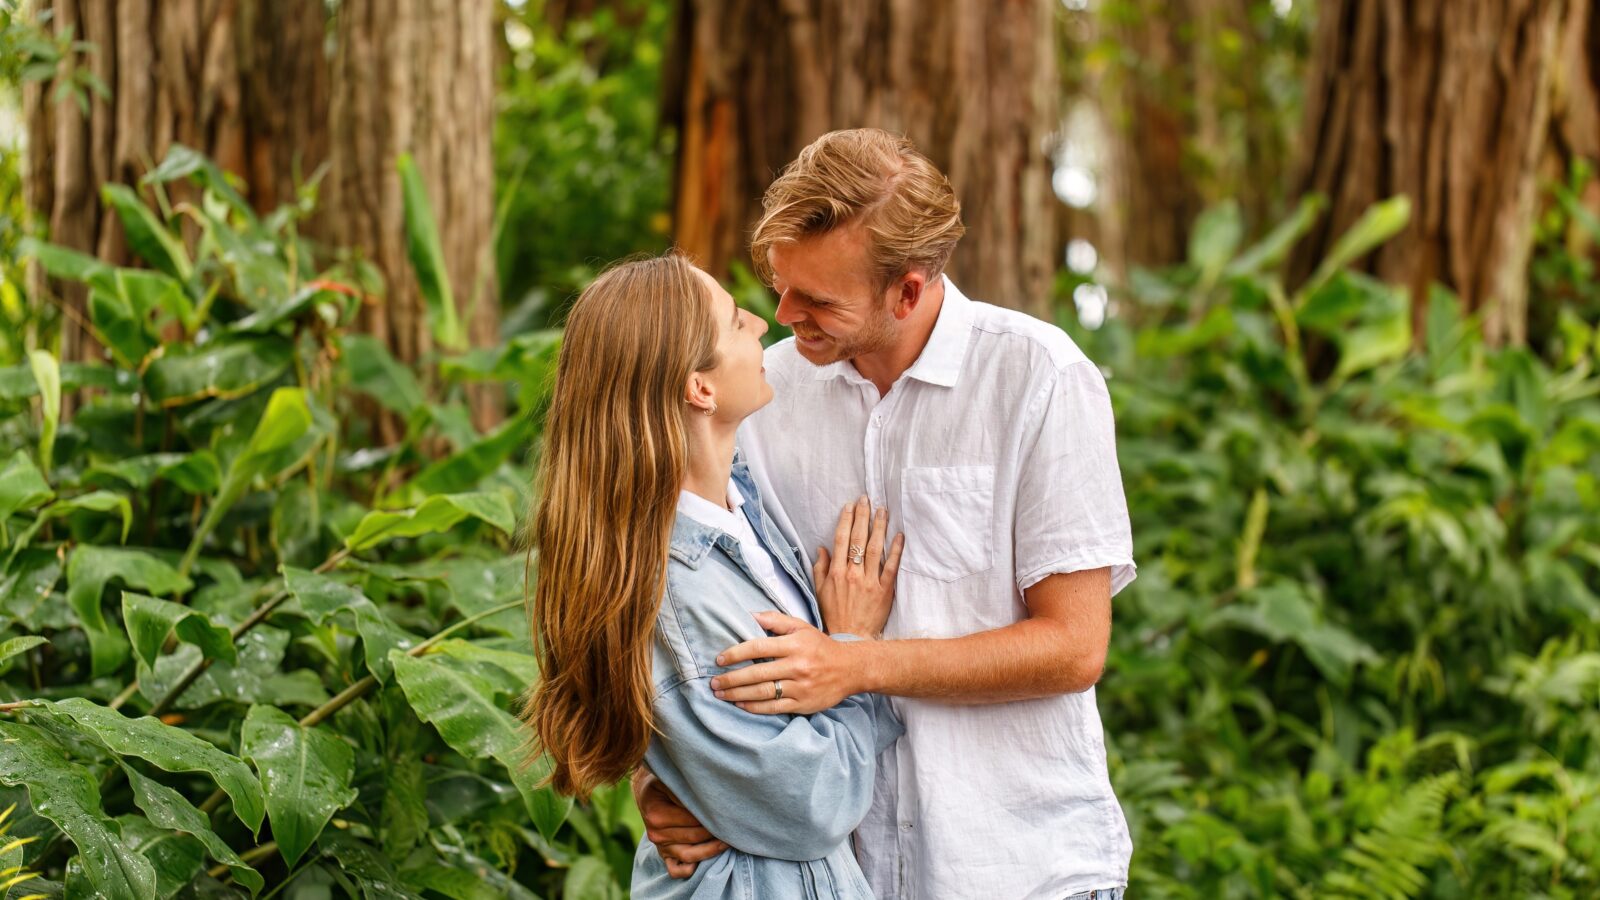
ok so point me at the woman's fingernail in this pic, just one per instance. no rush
(719, 695)
(719, 661)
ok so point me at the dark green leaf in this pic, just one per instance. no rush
(167, 808)
(461, 706)
(230, 367)
(22, 485)
(66, 794)
(147, 235)
(305, 773)
(149, 621)
(90, 569)
(427, 258)
(177, 858)
(168, 748)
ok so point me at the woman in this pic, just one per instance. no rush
(654, 552)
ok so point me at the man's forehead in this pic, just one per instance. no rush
(832, 264)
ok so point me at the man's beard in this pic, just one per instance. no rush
(874, 335)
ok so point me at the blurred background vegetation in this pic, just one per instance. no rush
(282, 284)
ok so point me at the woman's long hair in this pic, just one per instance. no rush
(616, 447)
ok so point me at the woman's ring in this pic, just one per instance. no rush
(855, 554)
(777, 690)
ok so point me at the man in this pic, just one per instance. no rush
(988, 436)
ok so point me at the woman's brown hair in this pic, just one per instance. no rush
(616, 447)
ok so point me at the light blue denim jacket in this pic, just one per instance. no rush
(784, 791)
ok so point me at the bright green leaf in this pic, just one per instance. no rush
(438, 513)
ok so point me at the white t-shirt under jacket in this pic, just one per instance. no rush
(995, 454)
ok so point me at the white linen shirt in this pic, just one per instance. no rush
(995, 454)
(733, 522)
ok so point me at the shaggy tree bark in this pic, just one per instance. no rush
(971, 82)
(416, 76)
(1453, 103)
(205, 73)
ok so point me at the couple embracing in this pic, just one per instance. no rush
(838, 606)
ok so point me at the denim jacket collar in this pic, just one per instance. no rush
(692, 540)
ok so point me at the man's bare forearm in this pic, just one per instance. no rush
(1029, 659)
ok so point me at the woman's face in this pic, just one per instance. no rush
(738, 383)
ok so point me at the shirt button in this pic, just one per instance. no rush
(905, 826)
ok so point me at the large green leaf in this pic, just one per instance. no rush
(1283, 612)
(228, 367)
(147, 235)
(149, 621)
(285, 419)
(143, 292)
(1273, 248)
(168, 748)
(61, 262)
(183, 162)
(463, 471)
(89, 570)
(22, 485)
(167, 808)
(1381, 221)
(437, 513)
(176, 858)
(370, 869)
(374, 372)
(321, 597)
(94, 501)
(194, 473)
(427, 258)
(1217, 233)
(67, 794)
(18, 645)
(120, 326)
(48, 374)
(512, 671)
(461, 706)
(305, 773)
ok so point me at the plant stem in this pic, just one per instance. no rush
(247, 857)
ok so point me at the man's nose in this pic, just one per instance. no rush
(787, 314)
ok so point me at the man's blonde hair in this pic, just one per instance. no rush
(871, 178)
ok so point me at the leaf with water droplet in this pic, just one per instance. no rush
(304, 772)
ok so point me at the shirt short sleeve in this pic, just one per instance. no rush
(1071, 514)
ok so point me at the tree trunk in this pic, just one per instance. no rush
(205, 73)
(1449, 102)
(971, 82)
(416, 76)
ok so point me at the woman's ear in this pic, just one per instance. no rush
(699, 393)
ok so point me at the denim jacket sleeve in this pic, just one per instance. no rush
(786, 787)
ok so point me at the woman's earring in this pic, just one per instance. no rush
(713, 410)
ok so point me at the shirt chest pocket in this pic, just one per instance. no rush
(949, 520)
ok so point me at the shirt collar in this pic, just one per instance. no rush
(940, 360)
(693, 538)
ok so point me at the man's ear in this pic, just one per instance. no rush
(910, 287)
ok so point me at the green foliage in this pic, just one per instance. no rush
(241, 651)
(1362, 655)
(581, 159)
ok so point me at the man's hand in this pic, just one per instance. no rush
(679, 837)
(817, 671)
